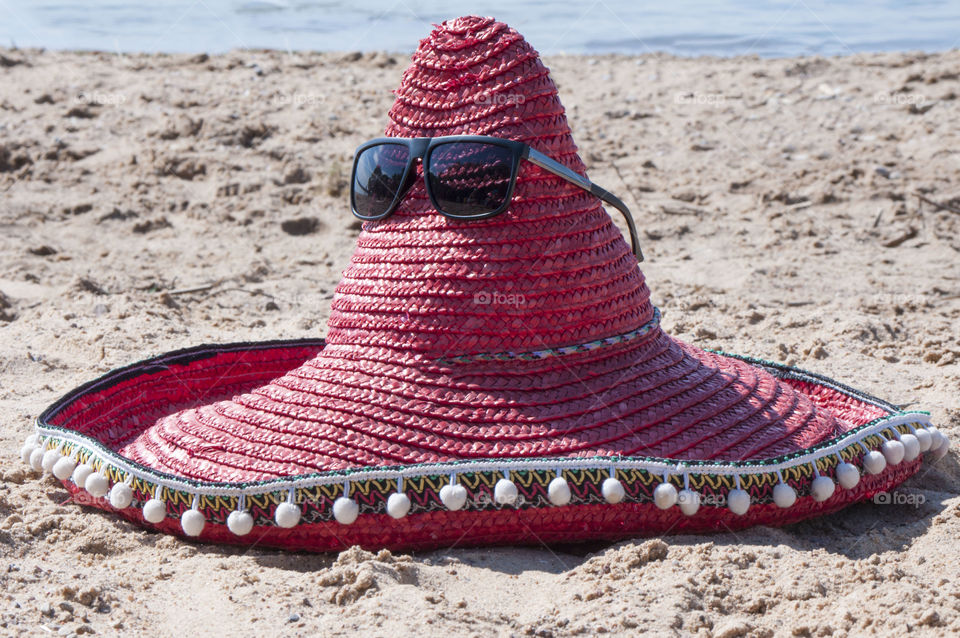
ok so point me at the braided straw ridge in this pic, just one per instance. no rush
(642, 331)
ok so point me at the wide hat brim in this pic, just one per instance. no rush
(466, 502)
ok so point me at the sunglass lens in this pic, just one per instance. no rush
(377, 176)
(468, 179)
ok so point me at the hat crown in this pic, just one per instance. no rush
(552, 270)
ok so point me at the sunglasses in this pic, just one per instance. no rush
(466, 176)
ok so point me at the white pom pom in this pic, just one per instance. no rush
(240, 523)
(345, 510)
(613, 491)
(784, 495)
(121, 496)
(80, 475)
(924, 438)
(874, 462)
(454, 497)
(942, 450)
(689, 502)
(32, 440)
(558, 491)
(936, 438)
(848, 476)
(942, 444)
(287, 515)
(154, 511)
(665, 496)
(36, 459)
(97, 484)
(822, 488)
(893, 452)
(505, 492)
(192, 522)
(47, 461)
(738, 501)
(26, 451)
(64, 467)
(911, 447)
(398, 505)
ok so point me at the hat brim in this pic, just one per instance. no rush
(525, 500)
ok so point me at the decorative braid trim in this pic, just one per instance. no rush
(533, 355)
(586, 478)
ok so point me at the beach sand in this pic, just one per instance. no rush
(153, 202)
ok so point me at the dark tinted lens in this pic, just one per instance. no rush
(469, 178)
(376, 178)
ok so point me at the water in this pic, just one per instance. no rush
(697, 27)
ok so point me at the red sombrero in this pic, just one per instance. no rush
(502, 380)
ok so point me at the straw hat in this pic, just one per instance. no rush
(494, 381)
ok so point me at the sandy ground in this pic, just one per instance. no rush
(780, 208)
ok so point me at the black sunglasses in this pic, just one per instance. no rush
(466, 176)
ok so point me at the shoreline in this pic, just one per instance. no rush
(784, 206)
(11, 52)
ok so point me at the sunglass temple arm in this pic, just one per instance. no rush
(558, 169)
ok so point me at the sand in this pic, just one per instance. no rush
(152, 202)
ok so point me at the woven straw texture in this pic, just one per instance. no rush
(398, 383)
(553, 270)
